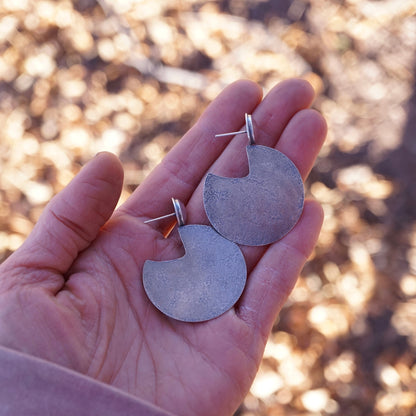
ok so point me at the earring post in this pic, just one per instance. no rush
(160, 218)
(230, 134)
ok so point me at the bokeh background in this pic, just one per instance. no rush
(132, 76)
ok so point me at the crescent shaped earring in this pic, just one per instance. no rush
(263, 206)
(204, 283)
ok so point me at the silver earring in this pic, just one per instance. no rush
(204, 283)
(263, 206)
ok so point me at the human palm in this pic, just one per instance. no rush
(73, 294)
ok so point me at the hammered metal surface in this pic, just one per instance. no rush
(201, 285)
(260, 208)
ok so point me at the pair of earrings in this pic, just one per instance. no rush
(255, 210)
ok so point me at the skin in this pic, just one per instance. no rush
(72, 294)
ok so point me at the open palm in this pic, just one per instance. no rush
(73, 293)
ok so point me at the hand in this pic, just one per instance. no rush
(73, 294)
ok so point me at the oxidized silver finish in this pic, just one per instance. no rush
(201, 285)
(263, 206)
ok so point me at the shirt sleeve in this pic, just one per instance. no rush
(32, 386)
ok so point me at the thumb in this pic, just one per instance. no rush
(72, 219)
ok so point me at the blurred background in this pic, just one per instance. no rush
(132, 76)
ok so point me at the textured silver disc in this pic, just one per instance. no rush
(260, 208)
(201, 285)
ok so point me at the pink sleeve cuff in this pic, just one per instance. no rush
(31, 386)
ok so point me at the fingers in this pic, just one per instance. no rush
(295, 131)
(186, 164)
(275, 275)
(72, 220)
(270, 120)
(183, 169)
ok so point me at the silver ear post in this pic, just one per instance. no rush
(159, 218)
(179, 212)
(249, 130)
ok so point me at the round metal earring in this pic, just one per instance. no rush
(263, 206)
(204, 283)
